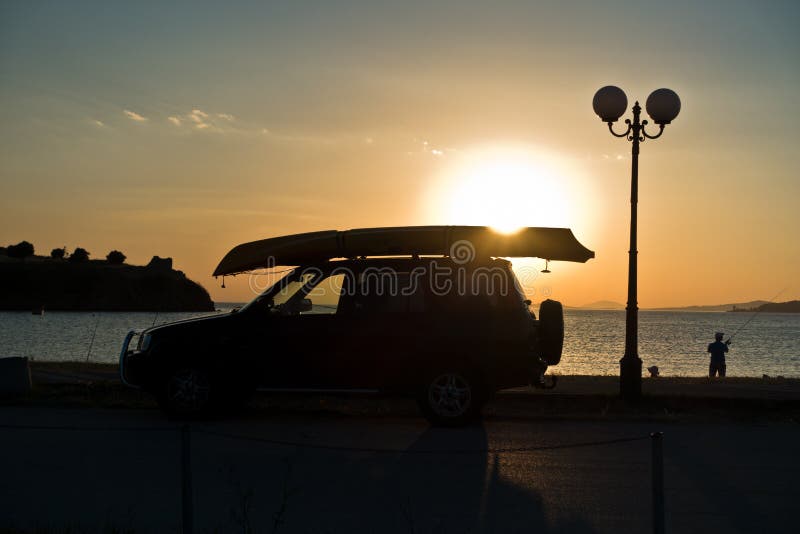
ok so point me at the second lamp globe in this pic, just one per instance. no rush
(663, 105)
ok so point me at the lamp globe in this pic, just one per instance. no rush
(609, 103)
(663, 105)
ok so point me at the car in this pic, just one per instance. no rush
(389, 310)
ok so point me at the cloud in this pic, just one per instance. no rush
(422, 146)
(197, 119)
(198, 115)
(132, 115)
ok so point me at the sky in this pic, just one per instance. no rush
(182, 129)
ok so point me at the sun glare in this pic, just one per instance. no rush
(506, 190)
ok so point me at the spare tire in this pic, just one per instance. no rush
(551, 331)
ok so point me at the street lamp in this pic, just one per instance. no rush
(663, 105)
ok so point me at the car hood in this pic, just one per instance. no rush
(195, 323)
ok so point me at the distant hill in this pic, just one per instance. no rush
(715, 307)
(37, 282)
(792, 306)
(737, 306)
(601, 305)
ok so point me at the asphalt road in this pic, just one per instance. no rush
(122, 469)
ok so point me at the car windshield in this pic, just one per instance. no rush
(289, 290)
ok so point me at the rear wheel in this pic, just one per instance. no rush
(451, 398)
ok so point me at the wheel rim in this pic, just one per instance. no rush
(188, 389)
(450, 395)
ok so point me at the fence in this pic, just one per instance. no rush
(186, 431)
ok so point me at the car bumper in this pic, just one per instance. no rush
(130, 361)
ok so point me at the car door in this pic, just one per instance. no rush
(272, 330)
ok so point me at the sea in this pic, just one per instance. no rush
(594, 340)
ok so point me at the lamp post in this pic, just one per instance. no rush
(663, 105)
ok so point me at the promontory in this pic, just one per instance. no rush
(36, 283)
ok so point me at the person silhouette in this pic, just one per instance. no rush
(717, 350)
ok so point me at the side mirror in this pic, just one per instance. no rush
(305, 306)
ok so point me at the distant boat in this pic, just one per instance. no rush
(40, 311)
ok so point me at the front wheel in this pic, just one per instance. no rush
(451, 398)
(186, 393)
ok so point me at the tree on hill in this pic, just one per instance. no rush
(115, 257)
(80, 255)
(58, 253)
(23, 249)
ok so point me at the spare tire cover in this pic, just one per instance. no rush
(551, 331)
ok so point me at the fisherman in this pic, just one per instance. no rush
(717, 350)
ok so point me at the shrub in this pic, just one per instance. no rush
(58, 253)
(80, 255)
(115, 257)
(23, 249)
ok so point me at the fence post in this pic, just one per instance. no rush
(658, 482)
(187, 510)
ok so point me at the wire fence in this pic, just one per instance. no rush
(186, 432)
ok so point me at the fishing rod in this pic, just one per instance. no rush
(91, 342)
(759, 310)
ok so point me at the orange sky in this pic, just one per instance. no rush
(130, 128)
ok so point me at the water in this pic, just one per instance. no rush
(676, 342)
(594, 340)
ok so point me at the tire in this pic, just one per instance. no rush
(451, 398)
(186, 393)
(551, 331)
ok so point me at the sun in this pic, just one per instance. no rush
(506, 189)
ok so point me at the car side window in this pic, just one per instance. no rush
(326, 296)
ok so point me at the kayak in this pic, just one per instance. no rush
(462, 243)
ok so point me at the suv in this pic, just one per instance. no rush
(448, 332)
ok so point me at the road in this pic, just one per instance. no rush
(121, 469)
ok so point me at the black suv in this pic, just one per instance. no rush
(449, 332)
